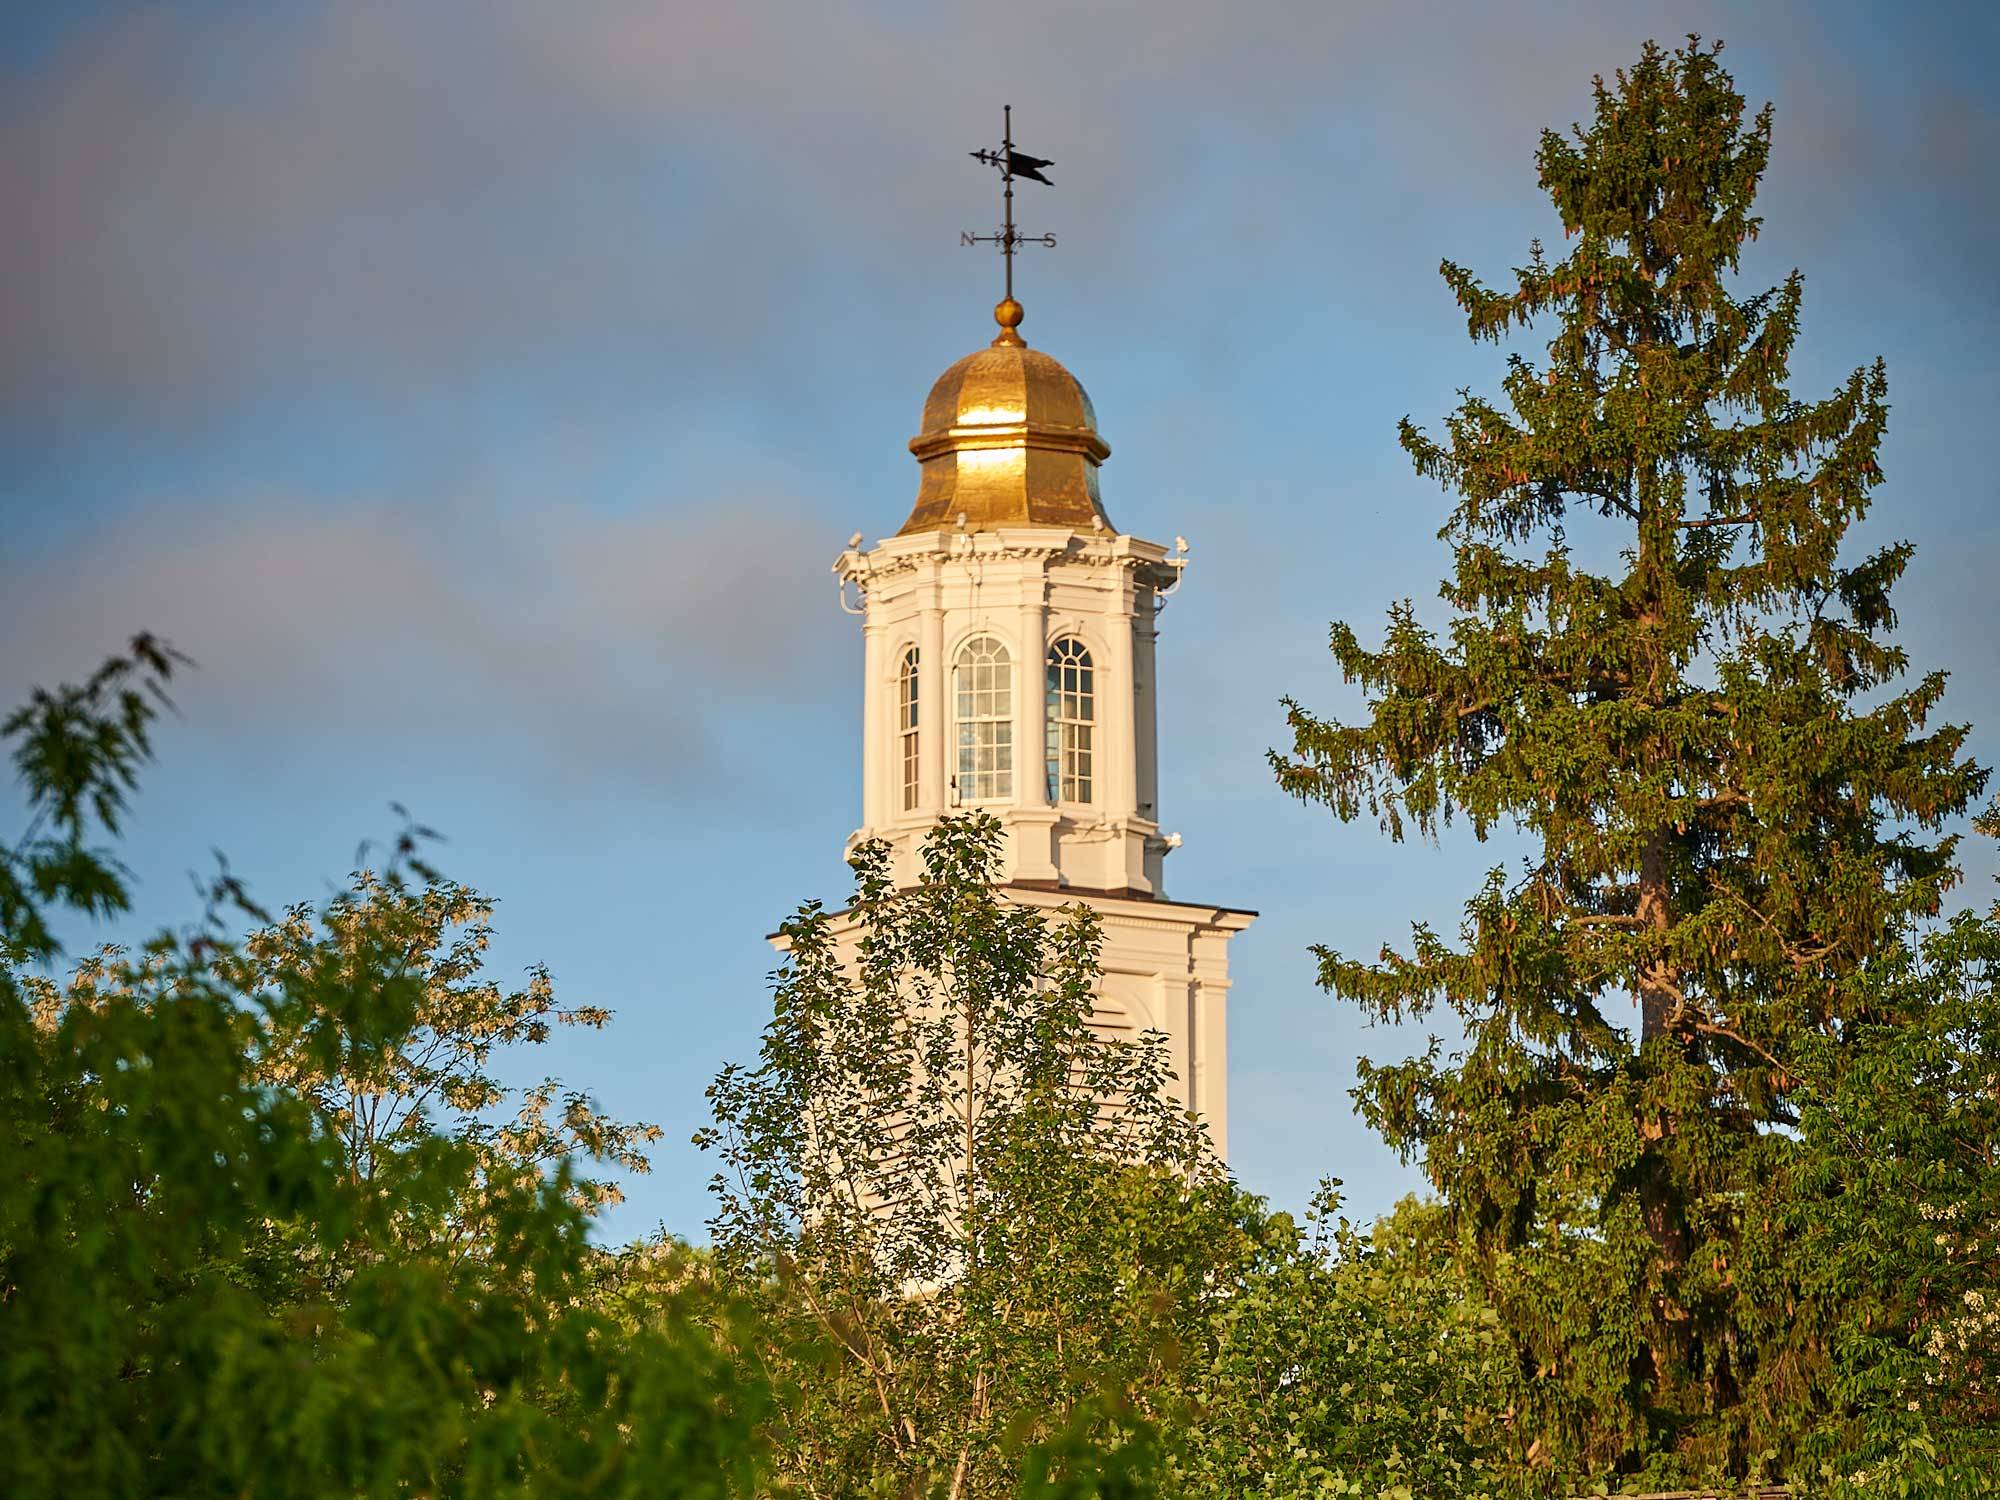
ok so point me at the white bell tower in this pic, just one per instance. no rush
(1009, 635)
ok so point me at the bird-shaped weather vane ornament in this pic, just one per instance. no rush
(1012, 164)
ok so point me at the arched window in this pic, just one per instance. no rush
(983, 688)
(906, 727)
(1072, 709)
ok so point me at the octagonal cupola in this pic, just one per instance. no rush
(1008, 668)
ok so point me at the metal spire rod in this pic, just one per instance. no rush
(1007, 193)
(1010, 162)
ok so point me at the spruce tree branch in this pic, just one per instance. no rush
(1707, 521)
(1785, 1080)
(1728, 798)
(1613, 499)
(1800, 956)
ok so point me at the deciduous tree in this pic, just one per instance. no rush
(973, 1224)
(1341, 1363)
(209, 1279)
(1895, 1209)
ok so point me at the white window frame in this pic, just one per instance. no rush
(1069, 753)
(909, 746)
(982, 679)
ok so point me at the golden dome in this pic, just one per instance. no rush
(1009, 439)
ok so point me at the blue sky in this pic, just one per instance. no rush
(480, 391)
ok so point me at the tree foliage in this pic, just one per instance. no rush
(991, 1255)
(1733, 795)
(968, 1220)
(436, 1075)
(210, 1279)
(78, 749)
(1344, 1364)
(1896, 1211)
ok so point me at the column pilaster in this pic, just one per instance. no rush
(1120, 698)
(875, 727)
(933, 708)
(1030, 713)
(1146, 703)
(1034, 819)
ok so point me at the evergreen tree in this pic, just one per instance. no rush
(1731, 788)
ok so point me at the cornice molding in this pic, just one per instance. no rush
(938, 551)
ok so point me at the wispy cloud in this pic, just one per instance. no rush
(639, 649)
(405, 199)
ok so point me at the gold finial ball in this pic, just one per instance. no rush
(1008, 314)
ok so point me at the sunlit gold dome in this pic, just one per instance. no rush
(1009, 439)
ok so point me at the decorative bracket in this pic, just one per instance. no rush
(1178, 562)
(851, 568)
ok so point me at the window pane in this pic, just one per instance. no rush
(984, 732)
(1072, 701)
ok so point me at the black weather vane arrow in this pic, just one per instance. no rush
(1012, 164)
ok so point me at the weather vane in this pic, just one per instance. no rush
(1012, 164)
